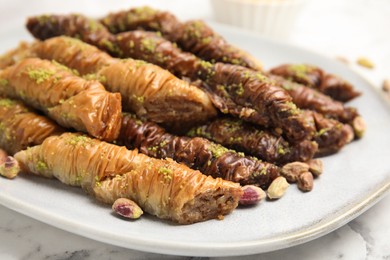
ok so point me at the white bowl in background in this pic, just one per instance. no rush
(272, 18)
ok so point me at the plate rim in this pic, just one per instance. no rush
(319, 229)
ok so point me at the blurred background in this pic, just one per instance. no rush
(348, 28)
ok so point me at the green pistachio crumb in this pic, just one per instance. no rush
(322, 131)
(94, 76)
(287, 85)
(3, 82)
(78, 139)
(263, 172)
(111, 47)
(168, 173)
(281, 150)
(300, 70)
(5, 102)
(218, 150)
(41, 166)
(63, 67)
(206, 40)
(40, 75)
(148, 45)
(240, 90)
(94, 25)
(139, 99)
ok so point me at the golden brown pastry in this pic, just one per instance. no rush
(160, 187)
(147, 90)
(252, 140)
(22, 127)
(309, 98)
(192, 36)
(12, 56)
(331, 135)
(260, 95)
(314, 77)
(151, 47)
(69, 100)
(236, 90)
(197, 153)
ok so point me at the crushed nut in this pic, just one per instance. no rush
(277, 188)
(9, 167)
(365, 62)
(349, 132)
(316, 166)
(305, 181)
(291, 171)
(127, 208)
(386, 85)
(359, 126)
(342, 59)
(252, 195)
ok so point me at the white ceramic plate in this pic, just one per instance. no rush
(354, 180)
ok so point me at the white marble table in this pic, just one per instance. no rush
(350, 28)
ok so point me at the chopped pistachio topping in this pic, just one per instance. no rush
(148, 45)
(5, 131)
(194, 30)
(76, 42)
(322, 131)
(94, 25)
(222, 89)
(139, 63)
(300, 70)
(241, 154)
(78, 139)
(163, 143)
(199, 131)
(5, 102)
(206, 65)
(218, 150)
(111, 47)
(263, 171)
(235, 139)
(240, 89)
(291, 108)
(97, 181)
(44, 19)
(94, 76)
(207, 40)
(134, 117)
(144, 11)
(139, 99)
(235, 61)
(41, 166)
(63, 67)
(40, 75)
(78, 179)
(153, 148)
(3, 82)
(283, 148)
(261, 77)
(168, 173)
(288, 85)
